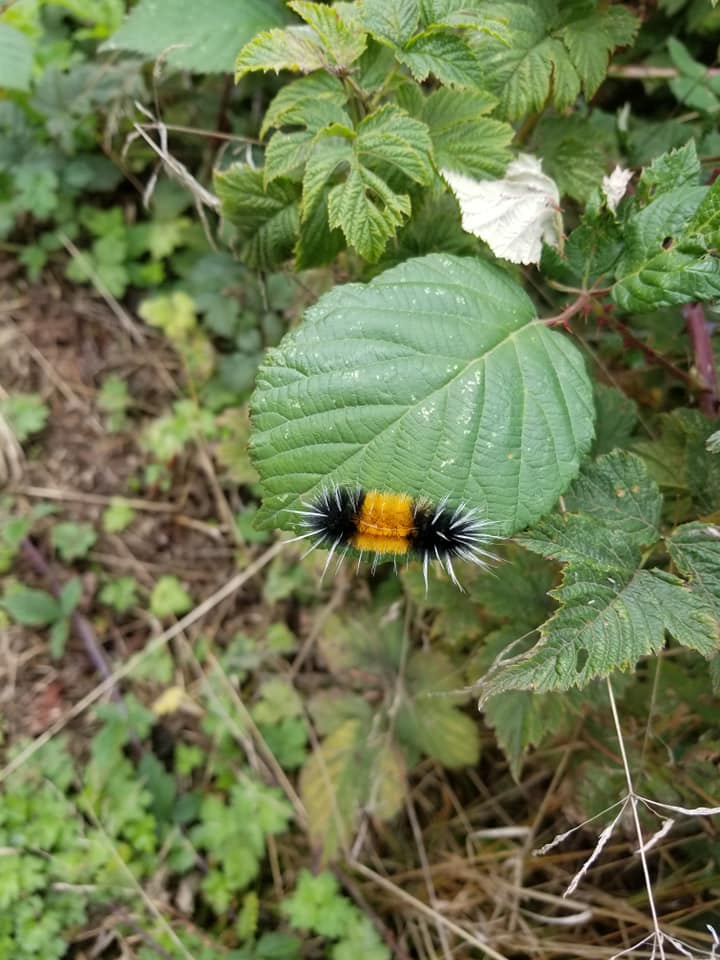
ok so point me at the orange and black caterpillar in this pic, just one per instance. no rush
(387, 524)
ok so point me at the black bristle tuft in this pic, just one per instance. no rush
(332, 515)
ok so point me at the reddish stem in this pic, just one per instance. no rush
(699, 331)
(650, 354)
(582, 304)
(698, 328)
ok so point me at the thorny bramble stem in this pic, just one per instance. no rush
(699, 332)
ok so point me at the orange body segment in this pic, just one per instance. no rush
(385, 523)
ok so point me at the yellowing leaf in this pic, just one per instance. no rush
(294, 48)
(354, 769)
(169, 701)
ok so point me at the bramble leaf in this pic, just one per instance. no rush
(367, 211)
(390, 138)
(391, 21)
(695, 551)
(611, 610)
(618, 490)
(496, 413)
(593, 248)
(572, 154)
(266, 217)
(695, 86)
(553, 51)
(314, 102)
(327, 41)
(463, 138)
(591, 40)
(294, 48)
(522, 720)
(669, 244)
(705, 224)
(16, 58)
(670, 171)
(344, 42)
(445, 56)
(607, 623)
(531, 65)
(389, 145)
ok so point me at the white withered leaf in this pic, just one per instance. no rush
(513, 215)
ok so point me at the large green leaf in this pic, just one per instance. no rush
(206, 43)
(436, 378)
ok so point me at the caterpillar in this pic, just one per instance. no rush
(392, 525)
